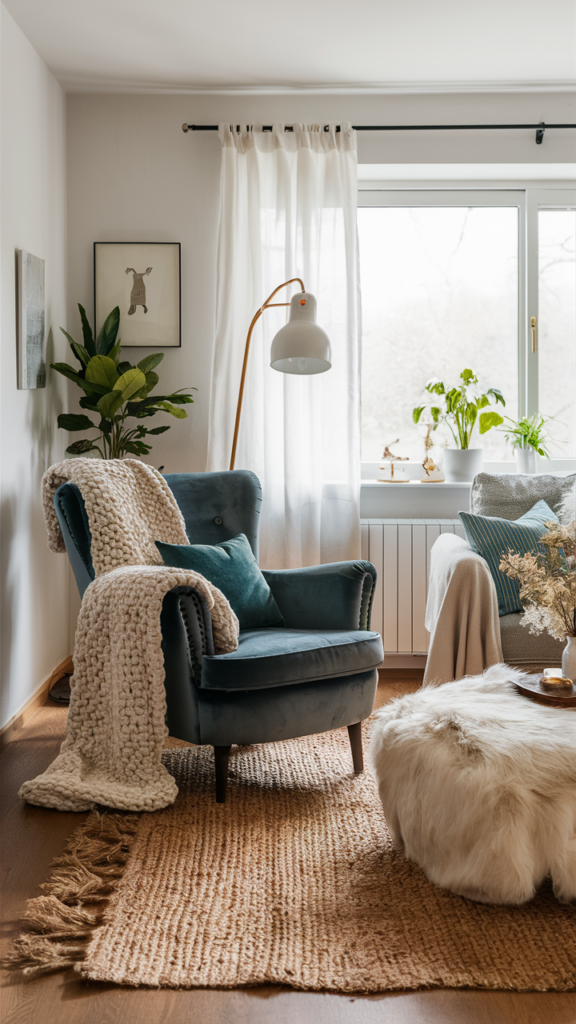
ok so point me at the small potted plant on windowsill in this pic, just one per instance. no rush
(528, 438)
(459, 407)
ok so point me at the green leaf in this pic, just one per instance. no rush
(149, 362)
(497, 395)
(436, 413)
(115, 352)
(110, 403)
(81, 447)
(137, 447)
(102, 370)
(180, 414)
(158, 430)
(105, 426)
(87, 386)
(151, 380)
(81, 354)
(130, 382)
(416, 413)
(488, 420)
(86, 403)
(73, 421)
(87, 332)
(107, 337)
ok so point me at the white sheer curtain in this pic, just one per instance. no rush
(288, 209)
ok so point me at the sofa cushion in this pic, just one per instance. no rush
(492, 537)
(277, 657)
(510, 496)
(521, 647)
(232, 568)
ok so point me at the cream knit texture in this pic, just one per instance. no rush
(115, 730)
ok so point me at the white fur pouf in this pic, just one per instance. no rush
(478, 786)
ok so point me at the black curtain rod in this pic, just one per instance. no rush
(540, 128)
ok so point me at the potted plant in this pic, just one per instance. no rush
(529, 438)
(116, 391)
(547, 581)
(459, 406)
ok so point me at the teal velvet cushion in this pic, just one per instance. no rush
(492, 537)
(232, 568)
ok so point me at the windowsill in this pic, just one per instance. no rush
(411, 484)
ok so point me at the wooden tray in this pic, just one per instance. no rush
(530, 687)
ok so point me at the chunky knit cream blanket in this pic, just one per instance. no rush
(115, 730)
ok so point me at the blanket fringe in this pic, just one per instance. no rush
(60, 923)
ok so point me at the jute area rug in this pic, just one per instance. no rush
(292, 881)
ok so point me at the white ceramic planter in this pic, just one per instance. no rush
(462, 465)
(569, 659)
(526, 460)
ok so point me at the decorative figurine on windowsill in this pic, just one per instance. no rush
(432, 470)
(393, 475)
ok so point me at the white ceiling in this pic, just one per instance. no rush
(265, 45)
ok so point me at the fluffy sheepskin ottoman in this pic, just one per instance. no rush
(478, 786)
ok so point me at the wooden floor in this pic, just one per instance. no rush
(31, 837)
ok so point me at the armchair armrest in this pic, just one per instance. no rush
(337, 595)
(186, 626)
(461, 612)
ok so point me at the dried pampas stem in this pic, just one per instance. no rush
(60, 923)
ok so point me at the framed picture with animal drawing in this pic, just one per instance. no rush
(143, 279)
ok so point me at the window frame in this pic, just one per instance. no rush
(528, 200)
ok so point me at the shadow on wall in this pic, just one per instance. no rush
(34, 592)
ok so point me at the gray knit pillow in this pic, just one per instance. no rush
(510, 496)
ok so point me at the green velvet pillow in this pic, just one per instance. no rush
(232, 568)
(492, 537)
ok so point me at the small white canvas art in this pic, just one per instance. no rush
(31, 354)
(143, 279)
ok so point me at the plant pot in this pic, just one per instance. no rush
(526, 460)
(569, 659)
(462, 464)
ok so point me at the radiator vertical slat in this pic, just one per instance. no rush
(377, 558)
(432, 534)
(390, 574)
(401, 549)
(405, 588)
(419, 589)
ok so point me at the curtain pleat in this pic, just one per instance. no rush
(288, 209)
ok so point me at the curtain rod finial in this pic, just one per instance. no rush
(184, 127)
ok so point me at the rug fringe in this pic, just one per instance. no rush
(88, 873)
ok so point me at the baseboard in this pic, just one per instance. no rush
(413, 661)
(14, 724)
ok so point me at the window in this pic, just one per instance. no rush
(443, 276)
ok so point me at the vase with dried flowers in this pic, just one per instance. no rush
(547, 581)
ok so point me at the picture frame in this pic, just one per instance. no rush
(144, 280)
(30, 321)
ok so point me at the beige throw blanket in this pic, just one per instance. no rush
(461, 613)
(115, 730)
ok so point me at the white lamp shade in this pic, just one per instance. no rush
(301, 346)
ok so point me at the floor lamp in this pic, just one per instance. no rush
(301, 346)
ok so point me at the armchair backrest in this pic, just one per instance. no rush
(215, 506)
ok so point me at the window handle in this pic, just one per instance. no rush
(534, 335)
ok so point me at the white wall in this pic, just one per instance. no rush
(134, 176)
(34, 587)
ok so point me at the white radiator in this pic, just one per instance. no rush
(400, 551)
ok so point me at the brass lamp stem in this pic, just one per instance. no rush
(255, 318)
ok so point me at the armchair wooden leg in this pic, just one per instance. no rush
(221, 766)
(355, 735)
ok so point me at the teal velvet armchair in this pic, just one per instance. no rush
(316, 673)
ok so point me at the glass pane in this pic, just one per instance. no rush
(439, 295)
(557, 325)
